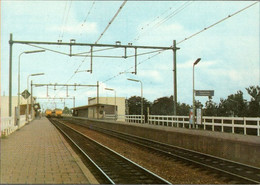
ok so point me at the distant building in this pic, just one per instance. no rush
(120, 103)
(5, 106)
(106, 108)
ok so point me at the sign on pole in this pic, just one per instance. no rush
(199, 116)
(204, 92)
(25, 94)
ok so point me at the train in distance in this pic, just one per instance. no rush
(53, 113)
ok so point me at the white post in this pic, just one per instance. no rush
(193, 92)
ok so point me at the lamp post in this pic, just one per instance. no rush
(142, 103)
(18, 106)
(27, 106)
(109, 89)
(193, 93)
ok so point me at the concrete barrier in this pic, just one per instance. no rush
(240, 148)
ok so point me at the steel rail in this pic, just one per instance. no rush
(82, 151)
(196, 162)
(149, 144)
(146, 172)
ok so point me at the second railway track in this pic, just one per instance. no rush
(115, 168)
(240, 173)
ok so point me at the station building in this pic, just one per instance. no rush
(104, 108)
(23, 106)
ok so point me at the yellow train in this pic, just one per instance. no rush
(57, 112)
(53, 113)
(48, 113)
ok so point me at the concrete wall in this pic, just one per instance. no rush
(235, 147)
(5, 105)
(11, 126)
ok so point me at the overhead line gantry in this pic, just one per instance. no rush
(73, 43)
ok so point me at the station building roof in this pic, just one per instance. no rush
(92, 105)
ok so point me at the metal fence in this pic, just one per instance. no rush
(131, 118)
(240, 125)
(7, 125)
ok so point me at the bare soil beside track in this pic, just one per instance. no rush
(174, 171)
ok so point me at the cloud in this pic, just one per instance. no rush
(152, 75)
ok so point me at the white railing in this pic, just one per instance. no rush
(244, 125)
(131, 118)
(7, 125)
(173, 121)
(110, 116)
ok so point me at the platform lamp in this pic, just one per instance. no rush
(109, 89)
(27, 106)
(193, 92)
(142, 103)
(18, 106)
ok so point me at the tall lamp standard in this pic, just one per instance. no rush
(193, 93)
(109, 89)
(27, 106)
(142, 103)
(18, 106)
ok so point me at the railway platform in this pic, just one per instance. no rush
(38, 154)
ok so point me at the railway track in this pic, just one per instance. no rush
(112, 167)
(240, 173)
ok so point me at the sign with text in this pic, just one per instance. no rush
(204, 93)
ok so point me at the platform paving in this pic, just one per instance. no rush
(38, 154)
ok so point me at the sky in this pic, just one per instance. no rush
(229, 51)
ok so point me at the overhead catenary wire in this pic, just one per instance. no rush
(157, 52)
(187, 38)
(65, 23)
(178, 10)
(101, 35)
(110, 22)
(206, 28)
(85, 20)
(212, 25)
(163, 20)
(63, 18)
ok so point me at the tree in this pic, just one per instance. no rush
(222, 109)
(134, 105)
(254, 104)
(183, 109)
(162, 106)
(66, 110)
(234, 105)
(210, 108)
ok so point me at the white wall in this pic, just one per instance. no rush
(5, 105)
(120, 102)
